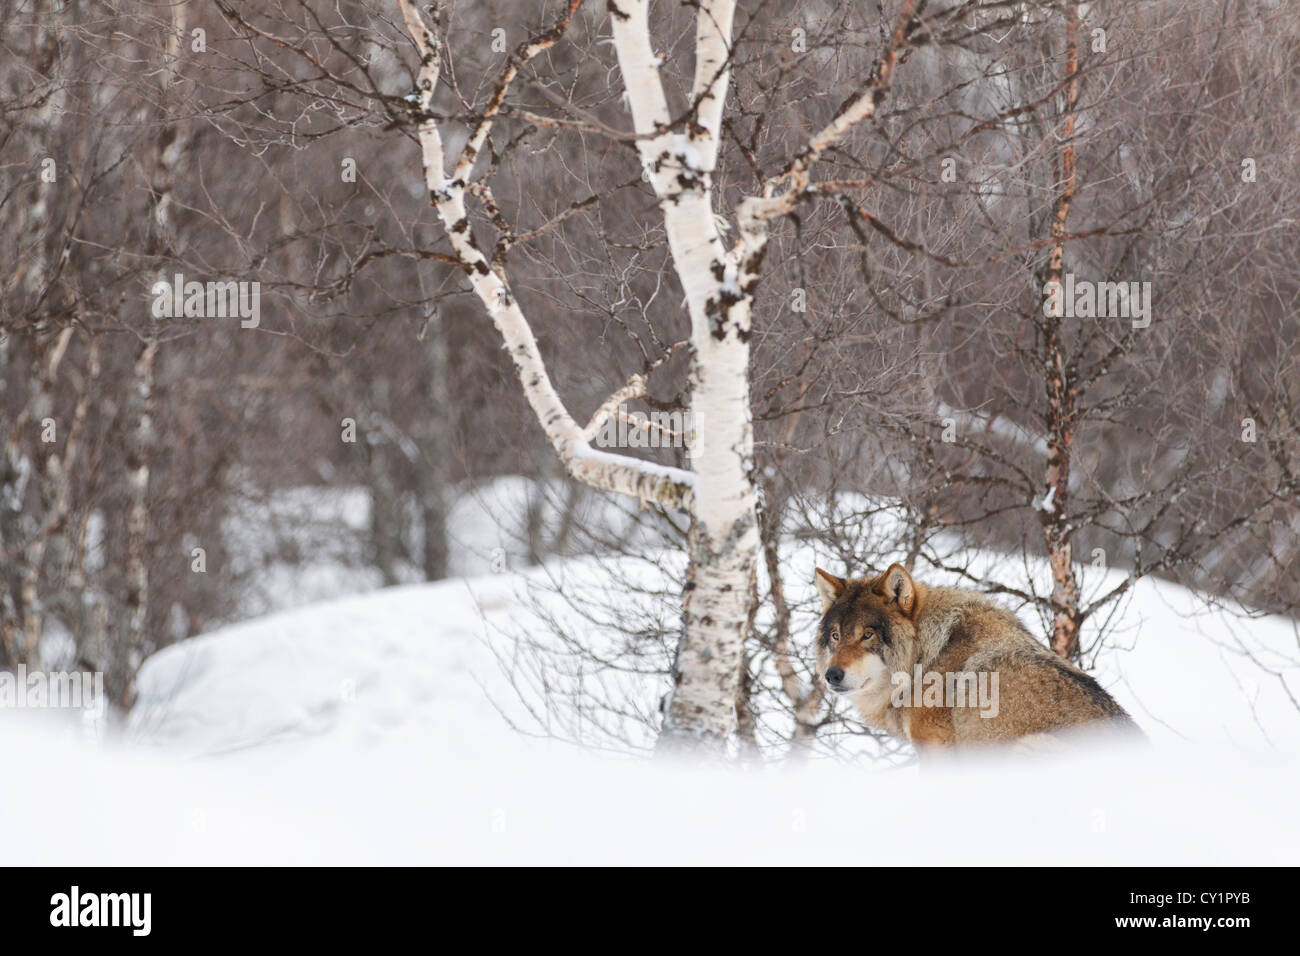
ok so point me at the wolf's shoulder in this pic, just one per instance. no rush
(971, 616)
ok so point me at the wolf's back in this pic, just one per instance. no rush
(1038, 691)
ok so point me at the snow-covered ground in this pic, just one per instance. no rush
(383, 727)
(372, 729)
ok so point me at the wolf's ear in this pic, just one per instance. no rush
(828, 586)
(899, 586)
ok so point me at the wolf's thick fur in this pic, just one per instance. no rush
(875, 628)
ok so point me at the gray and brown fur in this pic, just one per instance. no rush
(875, 627)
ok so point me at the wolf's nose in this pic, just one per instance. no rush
(834, 675)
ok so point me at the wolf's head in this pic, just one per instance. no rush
(868, 631)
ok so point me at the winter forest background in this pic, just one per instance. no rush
(879, 194)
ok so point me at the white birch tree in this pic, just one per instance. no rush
(678, 156)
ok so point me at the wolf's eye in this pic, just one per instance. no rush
(835, 635)
(868, 634)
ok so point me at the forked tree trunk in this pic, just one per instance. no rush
(723, 539)
(719, 491)
(678, 160)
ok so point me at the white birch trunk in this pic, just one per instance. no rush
(723, 540)
(27, 545)
(1060, 390)
(171, 145)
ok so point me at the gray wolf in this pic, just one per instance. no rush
(880, 635)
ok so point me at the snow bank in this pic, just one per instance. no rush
(374, 729)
